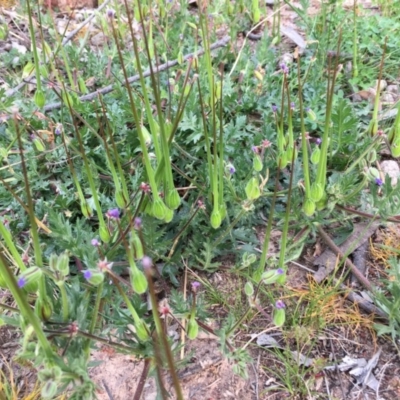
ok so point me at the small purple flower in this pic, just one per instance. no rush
(58, 129)
(21, 282)
(274, 108)
(292, 106)
(113, 213)
(254, 149)
(378, 181)
(195, 286)
(318, 141)
(280, 271)
(284, 68)
(94, 242)
(147, 262)
(137, 223)
(110, 13)
(232, 169)
(307, 109)
(87, 274)
(279, 304)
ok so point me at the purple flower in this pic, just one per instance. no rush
(254, 149)
(87, 274)
(318, 141)
(58, 129)
(113, 213)
(195, 286)
(94, 242)
(284, 68)
(21, 282)
(274, 108)
(137, 223)
(292, 105)
(232, 169)
(280, 271)
(279, 304)
(379, 181)
(307, 109)
(147, 262)
(110, 13)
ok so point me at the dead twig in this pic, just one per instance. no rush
(107, 89)
(361, 278)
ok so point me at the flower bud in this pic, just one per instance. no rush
(311, 114)
(248, 289)
(120, 199)
(141, 330)
(257, 163)
(253, 189)
(315, 155)
(222, 211)
(95, 277)
(309, 207)
(38, 144)
(39, 98)
(169, 215)
(146, 135)
(159, 209)
(86, 211)
(192, 329)
(283, 159)
(215, 219)
(172, 199)
(272, 276)
(29, 279)
(137, 245)
(44, 308)
(62, 264)
(49, 390)
(138, 280)
(279, 317)
(317, 191)
(104, 234)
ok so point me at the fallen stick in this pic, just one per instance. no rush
(361, 278)
(107, 89)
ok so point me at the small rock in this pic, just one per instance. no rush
(19, 47)
(391, 168)
(99, 39)
(388, 98)
(393, 89)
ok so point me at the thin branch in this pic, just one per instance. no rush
(362, 279)
(31, 78)
(107, 89)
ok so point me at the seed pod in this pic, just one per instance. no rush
(279, 317)
(309, 207)
(62, 264)
(138, 280)
(44, 308)
(104, 234)
(395, 147)
(120, 199)
(315, 155)
(215, 219)
(248, 289)
(141, 330)
(192, 329)
(29, 279)
(39, 98)
(172, 199)
(96, 278)
(137, 245)
(253, 189)
(257, 163)
(317, 191)
(159, 209)
(169, 214)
